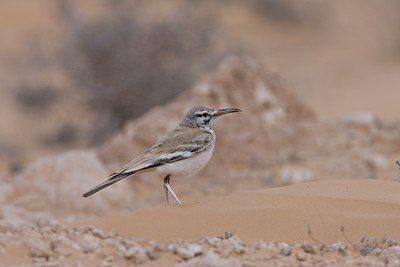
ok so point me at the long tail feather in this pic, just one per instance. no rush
(113, 179)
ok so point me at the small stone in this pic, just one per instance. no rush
(392, 243)
(286, 250)
(129, 243)
(291, 175)
(339, 245)
(75, 246)
(169, 247)
(213, 241)
(152, 254)
(98, 232)
(89, 243)
(39, 260)
(308, 248)
(211, 259)
(239, 249)
(269, 246)
(189, 251)
(238, 246)
(364, 120)
(301, 256)
(55, 244)
(57, 228)
(41, 250)
(107, 261)
(376, 161)
(137, 253)
(325, 248)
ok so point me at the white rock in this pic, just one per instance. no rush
(365, 119)
(291, 175)
(376, 160)
(238, 245)
(286, 249)
(58, 183)
(189, 251)
(213, 241)
(339, 245)
(211, 259)
(137, 253)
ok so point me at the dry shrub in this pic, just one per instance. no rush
(126, 65)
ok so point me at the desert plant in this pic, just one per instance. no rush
(126, 65)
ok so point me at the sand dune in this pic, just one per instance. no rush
(362, 207)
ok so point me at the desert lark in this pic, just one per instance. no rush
(182, 152)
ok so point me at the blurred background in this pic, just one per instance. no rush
(73, 72)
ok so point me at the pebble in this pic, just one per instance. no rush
(286, 250)
(362, 119)
(213, 241)
(308, 248)
(41, 249)
(137, 253)
(302, 256)
(189, 251)
(107, 261)
(152, 254)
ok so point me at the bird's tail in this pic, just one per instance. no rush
(115, 177)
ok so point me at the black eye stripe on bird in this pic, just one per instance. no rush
(182, 152)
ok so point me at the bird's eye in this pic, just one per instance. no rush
(205, 114)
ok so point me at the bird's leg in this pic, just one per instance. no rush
(166, 181)
(169, 188)
(173, 193)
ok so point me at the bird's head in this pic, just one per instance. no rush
(203, 117)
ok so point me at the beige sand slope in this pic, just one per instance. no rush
(362, 207)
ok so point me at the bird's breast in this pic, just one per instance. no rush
(188, 167)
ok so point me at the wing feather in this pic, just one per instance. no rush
(182, 143)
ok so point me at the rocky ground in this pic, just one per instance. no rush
(59, 245)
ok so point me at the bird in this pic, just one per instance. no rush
(182, 152)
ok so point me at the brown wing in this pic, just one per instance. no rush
(183, 142)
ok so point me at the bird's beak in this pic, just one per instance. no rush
(226, 111)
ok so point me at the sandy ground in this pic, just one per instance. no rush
(285, 214)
